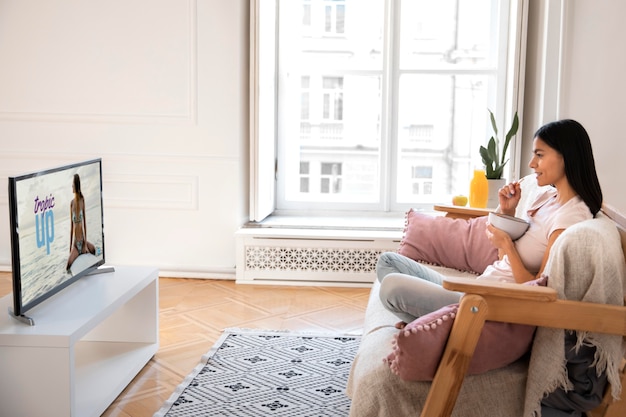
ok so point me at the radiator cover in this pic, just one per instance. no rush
(312, 256)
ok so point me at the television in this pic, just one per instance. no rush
(57, 231)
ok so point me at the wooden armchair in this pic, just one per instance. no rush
(537, 306)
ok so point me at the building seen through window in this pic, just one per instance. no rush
(383, 104)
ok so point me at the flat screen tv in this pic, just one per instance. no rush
(57, 233)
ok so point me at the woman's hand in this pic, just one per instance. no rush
(498, 238)
(509, 197)
(505, 245)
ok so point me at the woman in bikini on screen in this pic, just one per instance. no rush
(78, 225)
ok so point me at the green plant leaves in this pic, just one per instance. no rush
(494, 166)
(512, 131)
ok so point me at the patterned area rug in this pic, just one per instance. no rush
(268, 373)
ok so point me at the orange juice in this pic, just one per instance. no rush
(479, 189)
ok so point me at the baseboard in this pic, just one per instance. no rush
(229, 275)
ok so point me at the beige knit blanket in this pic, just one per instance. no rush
(587, 264)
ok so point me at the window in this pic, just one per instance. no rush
(332, 92)
(421, 177)
(323, 17)
(304, 177)
(331, 178)
(385, 101)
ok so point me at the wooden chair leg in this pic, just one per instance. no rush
(456, 358)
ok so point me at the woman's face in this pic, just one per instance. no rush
(547, 163)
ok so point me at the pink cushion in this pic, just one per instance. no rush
(453, 243)
(418, 348)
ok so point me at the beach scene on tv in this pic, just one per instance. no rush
(60, 227)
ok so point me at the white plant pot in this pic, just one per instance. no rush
(494, 187)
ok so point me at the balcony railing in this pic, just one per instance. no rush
(321, 131)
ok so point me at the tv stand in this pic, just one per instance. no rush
(90, 341)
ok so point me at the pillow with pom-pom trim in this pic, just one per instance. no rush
(417, 348)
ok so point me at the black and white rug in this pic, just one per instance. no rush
(268, 373)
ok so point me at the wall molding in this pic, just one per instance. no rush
(188, 117)
(179, 192)
(132, 190)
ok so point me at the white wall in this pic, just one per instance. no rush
(594, 86)
(590, 85)
(158, 89)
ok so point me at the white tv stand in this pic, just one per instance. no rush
(89, 341)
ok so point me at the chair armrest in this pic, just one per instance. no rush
(539, 306)
(500, 289)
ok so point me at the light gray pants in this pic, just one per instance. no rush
(410, 289)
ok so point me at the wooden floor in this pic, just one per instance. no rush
(194, 312)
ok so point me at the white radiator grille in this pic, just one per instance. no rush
(310, 256)
(311, 259)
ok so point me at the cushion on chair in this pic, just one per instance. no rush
(418, 348)
(377, 392)
(453, 243)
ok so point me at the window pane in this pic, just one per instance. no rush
(344, 121)
(446, 33)
(384, 129)
(422, 172)
(328, 19)
(304, 185)
(449, 114)
(304, 109)
(331, 168)
(324, 185)
(340, 18)
(306, 15)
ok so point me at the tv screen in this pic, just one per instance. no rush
(57, 232)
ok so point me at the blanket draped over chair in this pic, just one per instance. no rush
(588, 266)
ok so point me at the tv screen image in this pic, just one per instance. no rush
(57, 234)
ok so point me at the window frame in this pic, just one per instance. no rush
(264, 71)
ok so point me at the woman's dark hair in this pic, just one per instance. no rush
(570, 139)
(77, 185)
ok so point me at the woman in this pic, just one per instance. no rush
(562, 158)
(78, 225)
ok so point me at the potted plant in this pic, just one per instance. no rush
(494, 158)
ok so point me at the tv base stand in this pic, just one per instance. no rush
(101, 270)
(22, 318)
(90, 341)
(28, 320)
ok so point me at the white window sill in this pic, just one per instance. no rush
(392, 222)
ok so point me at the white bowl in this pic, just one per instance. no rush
(514, 226)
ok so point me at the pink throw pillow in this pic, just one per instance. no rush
(453, 243)
(418, 348)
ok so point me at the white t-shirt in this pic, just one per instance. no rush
(545, 216)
